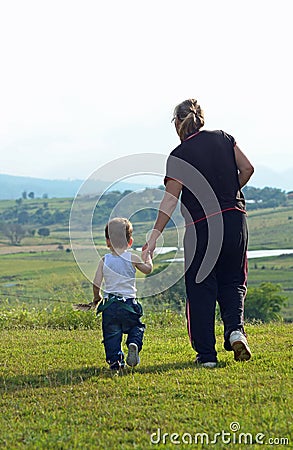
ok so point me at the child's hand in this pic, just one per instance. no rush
(147, 251)
(145, 254)
(96, 301)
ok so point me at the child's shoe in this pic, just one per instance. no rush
(208, 364)
(117, 365)
(132, 358)
(120, 364)
(240, 346)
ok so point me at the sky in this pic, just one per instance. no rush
(86, 82)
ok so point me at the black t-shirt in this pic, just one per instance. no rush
(205, 165)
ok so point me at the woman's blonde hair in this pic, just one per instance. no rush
(190, 116)
(119, 232)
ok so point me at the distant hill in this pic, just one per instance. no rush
(12, 187)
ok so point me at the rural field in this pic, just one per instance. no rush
(56, 391)
(49, 279)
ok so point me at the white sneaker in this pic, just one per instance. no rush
(132, 357)
(240, 346)
(208, 365)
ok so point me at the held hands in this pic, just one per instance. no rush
(149, 247)
(148, 251)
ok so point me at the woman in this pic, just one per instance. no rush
(208, 170)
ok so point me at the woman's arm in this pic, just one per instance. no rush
(166, 208)
(244, 166)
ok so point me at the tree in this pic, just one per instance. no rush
(14, 232)
(43, 232)
(128, 191)
(264, 302)
(264, 198)
(24, 195)
(31, 195)
(23, 217)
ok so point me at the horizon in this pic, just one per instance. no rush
(264, 177)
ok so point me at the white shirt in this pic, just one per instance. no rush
(119, 275)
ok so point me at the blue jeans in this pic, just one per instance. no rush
(117, 321)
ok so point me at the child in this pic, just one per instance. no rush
(120, 311)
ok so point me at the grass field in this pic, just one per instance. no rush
(40, 278)
(56, 392)
(45, 279)
(274, 270)
(271, 228)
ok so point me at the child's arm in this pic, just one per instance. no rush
(144, 267)
(97, 283)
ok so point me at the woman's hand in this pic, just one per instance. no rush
(148, 250)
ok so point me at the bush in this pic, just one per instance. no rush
(264, 302)
(57, 317)
(44, 232)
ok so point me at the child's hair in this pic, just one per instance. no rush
(191, 117)
(119, 232)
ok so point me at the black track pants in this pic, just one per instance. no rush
(226, 283)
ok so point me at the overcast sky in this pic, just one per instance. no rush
(84, 82)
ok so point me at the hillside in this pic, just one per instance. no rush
(270, 228)
(41, 258)
(12, 187)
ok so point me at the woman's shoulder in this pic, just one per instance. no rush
(220, 135)
(176, 150)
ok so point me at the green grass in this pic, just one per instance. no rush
(34, 204)
(57, 393)
(44, 279)
(271, 228)
(277, 270)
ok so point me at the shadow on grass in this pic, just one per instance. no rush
(53, 379)
(173, 366)
(50, 379)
